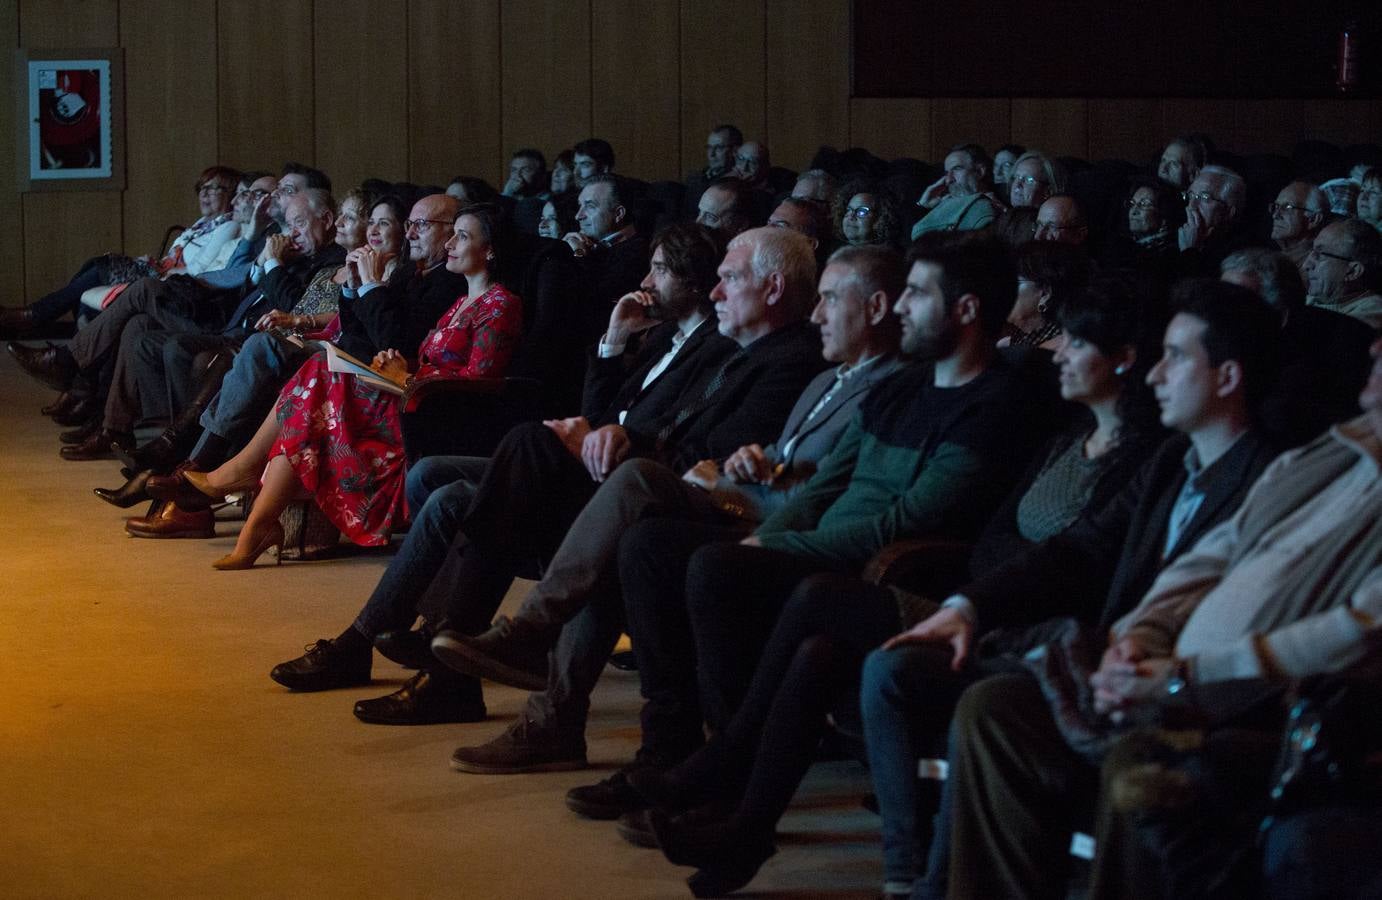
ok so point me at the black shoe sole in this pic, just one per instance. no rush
(603, 812)
(453, 717)
(559, 765)
(464, 659)
(312, 688)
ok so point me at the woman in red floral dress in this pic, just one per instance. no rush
(338, 438)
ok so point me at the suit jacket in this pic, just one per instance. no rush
(279, 289)
(760, 384)
(1100, 567)
(816, 438)
(615, 383)
(398, 315)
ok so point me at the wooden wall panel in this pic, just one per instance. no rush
(634, 70)
(62, 229)
(808, 89)
(1125, 129)
(454, 123)
(1341, 121)
(361, 114)
(11, 208)
(546, 66)
(170, 89)
(987, 122)
(1059, 127)
(891, 128)
(722, 73)
(1179, 116)
(1261, 126)
(264, 52)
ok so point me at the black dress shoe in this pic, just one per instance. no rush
(17, 319)
(727, 857)
(81, 432)
(325, 666)
(159, 455)
(86, 409)
(52, 365)
(424, 700)
(410, 649)
(64, 404)
(128, 494)
(607, 799)
(98, 446)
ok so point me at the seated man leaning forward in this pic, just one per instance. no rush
(860, 334)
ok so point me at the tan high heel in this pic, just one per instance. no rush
(200, 481)
(272, 538)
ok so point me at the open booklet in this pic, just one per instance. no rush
(337, 360)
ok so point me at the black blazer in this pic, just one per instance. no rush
(397, 315)
(615, 383)
(1100, 567)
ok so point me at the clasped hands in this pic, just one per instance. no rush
(600, 450)
(365, 266)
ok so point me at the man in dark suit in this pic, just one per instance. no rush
(1218, 354)
(859, 333)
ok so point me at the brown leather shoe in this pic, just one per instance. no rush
(97, 446)
(65, 403)
(52, 365)
(165, 520)
(175, 489)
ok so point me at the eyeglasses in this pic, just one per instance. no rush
(858, 212)
(1201, 196)
(746, 160)
(212, 188)
(1274, 208)
(1140, 204)
(1026, 179)
(422, 224)
(256, 194)
(1317, 252)
(1054, 226)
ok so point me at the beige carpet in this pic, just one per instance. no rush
(145, 753)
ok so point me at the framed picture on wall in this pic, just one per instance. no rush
(72, 104)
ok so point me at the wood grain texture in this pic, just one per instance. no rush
(265, 109)
(807, 79)
(635, 77)
(361, 112)
(68, 23)
(987, 122)
(722, 72)
(1058, 126)
(11, 209)
(891, 128)
(454, 120)
(546, 66)
(1125, 129)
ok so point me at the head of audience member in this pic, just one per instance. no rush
(1153, 208)
(868, 213)
(767, 281)
(967, 169)
(558, 216)
(806, 217)
(1218, 356)
(351, 219)
(1048, 275)
(1345, 261)
(468, 189)
(384, 230)
(1181, 161)
(1342, 195)
(428, 227)
(1370, 197)
(1035, 176)
(476, 240)
(1107, 347)
(1059, 219)
(253, 187)
(310, 219)
(527, 173)
(726, 206)
(854, 308)
(682, 272)
(600, 207)
(295, 178)
(563, 178)
(1298, 213)
(817, 185)
(215, 189)
(591, 157)
(1268, 274)
(959, 291)
(720, 149)
(1371, 397)
(751, 164)
(1003, 162)
(1217, 196)
(1015, 226)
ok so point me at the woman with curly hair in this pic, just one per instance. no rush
(868, 213)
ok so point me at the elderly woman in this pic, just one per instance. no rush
(1148, 219)
(868, 213)
(1370, 198)
(1049, 275)
(1035, 177)
(196, 250)
(337, 436)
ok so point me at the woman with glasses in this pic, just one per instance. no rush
(868, 213)
(196, 250)
(1370, 198)
(1035, 177)
(1144, 231)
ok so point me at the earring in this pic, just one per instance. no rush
(1042, 306)
(1121, 369)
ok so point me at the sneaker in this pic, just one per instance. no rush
(608, 799)
(505, 654)
(324, 666)
(522, 747)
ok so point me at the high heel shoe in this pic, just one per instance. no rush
(191, 491)
(127, 495)
(272, 538)
(202, 482)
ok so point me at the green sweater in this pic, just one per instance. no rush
(916, 459)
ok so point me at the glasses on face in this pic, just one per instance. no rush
(858, 212)
(1274, 208)
(1140, 204)
(422, 225)
(1199, 197)
(1053, 227)
(211, 188)
(1316, 252)
(746, 161)
(1026, 179)
(257, 194)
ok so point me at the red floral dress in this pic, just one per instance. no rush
(343, 437)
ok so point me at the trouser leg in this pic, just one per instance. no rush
(249, 389)
(123, 406)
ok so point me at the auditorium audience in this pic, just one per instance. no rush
(1298, 214)
(1060, 219)
(1003, 160)
(961, 199)
(868, 213)
(1370, 197)
(1182, 161)
(1035, 176)
(1343, 271)
(527, 174)
(558, 216)
(563, 178)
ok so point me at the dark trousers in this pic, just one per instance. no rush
(68, 298)
(168, 308)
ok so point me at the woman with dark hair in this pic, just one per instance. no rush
(558, 216)
(563, 180)
(868, 213)
(815, 653)
(1048, 274)
(1148, 218)
(1004, 158)
(338, 437)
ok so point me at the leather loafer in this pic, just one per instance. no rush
(98, 446)
(81, 432)
(410, 649)
(325, 666)
(64, 404)
(52, 365)
(166, 520)
(84, 410)
(128, 494)
(424, 700)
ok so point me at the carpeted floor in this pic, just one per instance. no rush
(145, 753)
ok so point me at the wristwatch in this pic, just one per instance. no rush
(1179, 680)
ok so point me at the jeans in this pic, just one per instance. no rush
(250, 388)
